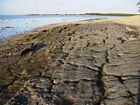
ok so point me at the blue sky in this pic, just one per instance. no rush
(67, 6)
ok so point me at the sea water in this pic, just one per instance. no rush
(16, 24)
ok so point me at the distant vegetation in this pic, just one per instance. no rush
(51, 14)
(100, 14)
(111, 14)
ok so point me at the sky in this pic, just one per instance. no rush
(13, 7)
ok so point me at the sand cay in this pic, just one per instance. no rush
(92, 62)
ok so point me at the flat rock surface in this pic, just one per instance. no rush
(74, 64)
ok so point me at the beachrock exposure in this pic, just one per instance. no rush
(74, 64)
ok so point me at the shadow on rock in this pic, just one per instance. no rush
(34, 47)
(20, 100)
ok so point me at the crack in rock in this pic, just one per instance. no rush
(74, 64)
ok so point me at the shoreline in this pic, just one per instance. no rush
(122, 20)
(53, 25)
(95, 14)
(130, 20)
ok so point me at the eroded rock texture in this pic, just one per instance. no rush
(76, 64)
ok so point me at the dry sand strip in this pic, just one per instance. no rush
(133, 20)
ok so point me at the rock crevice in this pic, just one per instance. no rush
(75, 64)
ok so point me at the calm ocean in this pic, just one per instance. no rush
(15, 24)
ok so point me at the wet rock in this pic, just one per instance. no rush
(83, 64)
(8, 27)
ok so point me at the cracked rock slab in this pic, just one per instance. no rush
(74, 64)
